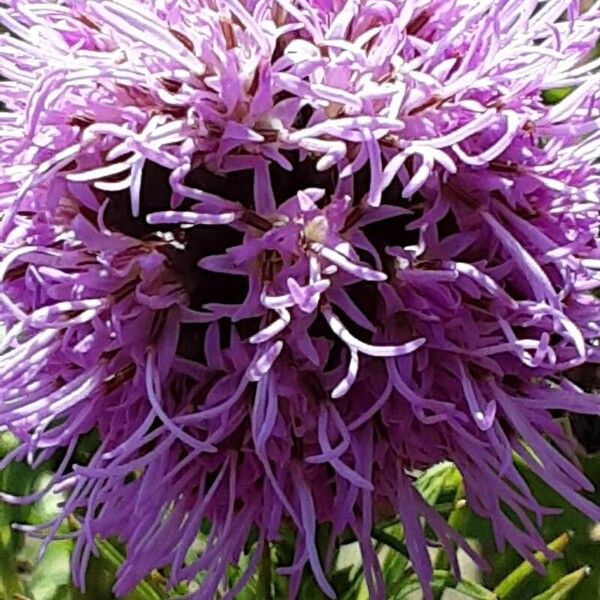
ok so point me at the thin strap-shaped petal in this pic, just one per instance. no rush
(380, 351)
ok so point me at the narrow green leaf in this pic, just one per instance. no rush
(395, 571)
(389, 540)
(440, 580)
(475, 590)
(562, 589)
(112, 559)
(513, 581)
(439, 479)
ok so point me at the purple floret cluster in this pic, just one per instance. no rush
(286, 254)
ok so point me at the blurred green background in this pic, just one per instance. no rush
(576, 576)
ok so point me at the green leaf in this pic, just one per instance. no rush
(19, 480)
(394, 571)
(389, 540)
(440, 580)
(516, 578)
(309, 589)
(443, 478)
(555, 95)
(562, 589)
(111, 559)
(473, 590)
(8, 442)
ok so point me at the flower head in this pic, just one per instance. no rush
(284, 254)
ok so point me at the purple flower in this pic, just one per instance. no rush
(285, 254)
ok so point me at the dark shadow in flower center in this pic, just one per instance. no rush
(184, 248)
(304, 174)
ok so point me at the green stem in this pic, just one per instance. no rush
(389, 540)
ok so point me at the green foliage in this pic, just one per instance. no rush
(473, 590)
(555, 95)
(575, 576)
(562, 589)
(441, 580)
(510, 586)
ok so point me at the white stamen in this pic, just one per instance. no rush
(347, 265)
(346, 383)
(273, 329)
(264, 362)
(379, 351)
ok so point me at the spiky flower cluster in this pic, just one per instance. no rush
(284, 254)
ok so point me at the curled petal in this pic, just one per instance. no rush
(380, 351)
